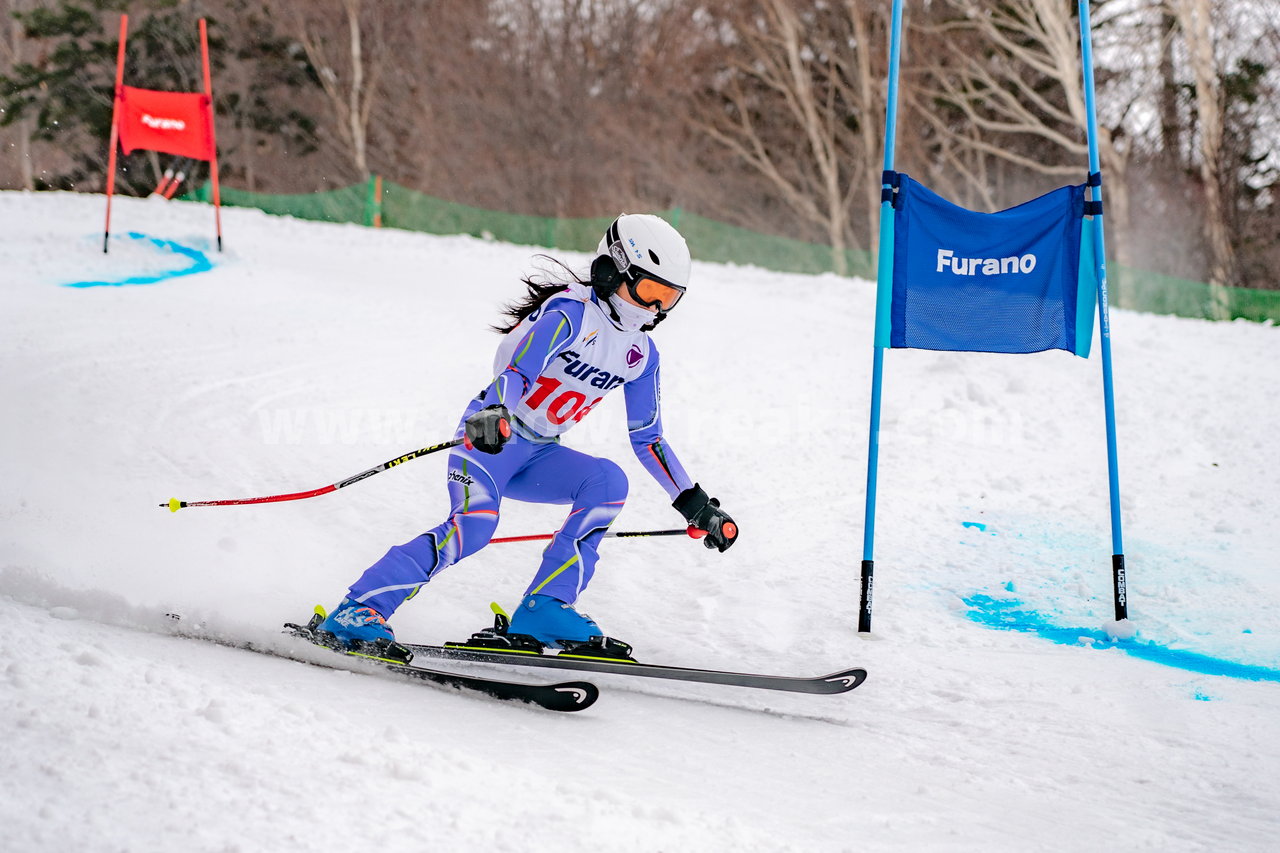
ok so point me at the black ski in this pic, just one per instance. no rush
(837, 682)
(564, 696)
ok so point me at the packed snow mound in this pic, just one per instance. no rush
(307, 352)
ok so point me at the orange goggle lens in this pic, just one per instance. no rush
(658, 294)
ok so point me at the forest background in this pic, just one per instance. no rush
(767, 114)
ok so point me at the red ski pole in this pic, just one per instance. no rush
(173, 185)
(164, 182)
(174, 504)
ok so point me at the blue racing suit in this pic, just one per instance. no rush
(550, 371)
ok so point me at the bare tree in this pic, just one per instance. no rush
(11, 53)
(798, 103)
(1251, 157)
(556, 107)
(1171, 124)
(349, 74)
(1193, 20)
(1011, 75)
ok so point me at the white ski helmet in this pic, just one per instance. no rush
(646, 255)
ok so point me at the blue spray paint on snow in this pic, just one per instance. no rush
(1009, 614)
(199, 263)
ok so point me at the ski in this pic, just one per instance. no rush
(565, 696)
(562, 696)
(836, 682)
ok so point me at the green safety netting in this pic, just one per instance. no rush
(348, 204)
(709, 240)
(399, 207)
(405, 208)
(1157, 293)
(715, 241)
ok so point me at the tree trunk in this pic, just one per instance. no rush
(1193, 16)
(357, 112)
(351, 97)
(1170, 122)
(872, 108)
(24, 127)
(836, 228)
(800, 80)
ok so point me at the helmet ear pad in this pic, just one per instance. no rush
(605, 277)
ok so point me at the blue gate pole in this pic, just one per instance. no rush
(1119, 585)
(884, 284)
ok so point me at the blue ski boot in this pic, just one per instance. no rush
(355, 624)
(552, 622)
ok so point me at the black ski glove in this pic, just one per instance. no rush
(704, 513)
(488, 429)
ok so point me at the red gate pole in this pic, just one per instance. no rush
(213, 137)
(115, 129)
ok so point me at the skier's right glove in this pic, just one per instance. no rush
(488, 429)
(704, 514)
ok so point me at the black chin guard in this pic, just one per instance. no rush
(605, 277)
(606, 280)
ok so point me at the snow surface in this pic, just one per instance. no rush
(310, 352)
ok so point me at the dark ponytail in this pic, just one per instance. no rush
(539, 288)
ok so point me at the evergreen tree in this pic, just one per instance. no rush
(69, 87)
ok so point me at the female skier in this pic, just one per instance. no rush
(566, 347)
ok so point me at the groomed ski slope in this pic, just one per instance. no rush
(309, 352)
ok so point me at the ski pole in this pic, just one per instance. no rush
(174, 184)
(174, 504)
(691, 531)
(164, 182)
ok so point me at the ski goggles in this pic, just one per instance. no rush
(654, 292)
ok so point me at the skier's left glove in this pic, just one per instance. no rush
(488, 429)
(704, 514)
